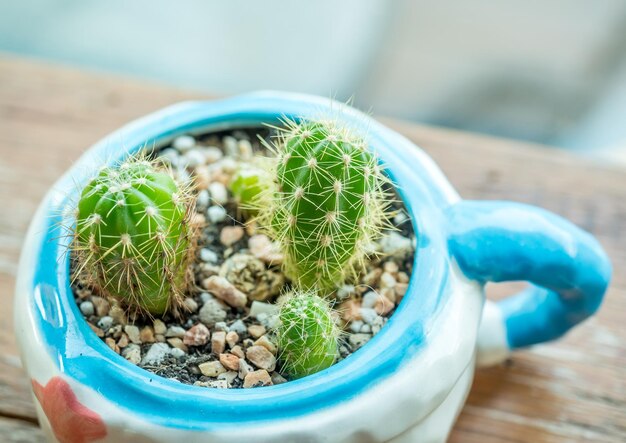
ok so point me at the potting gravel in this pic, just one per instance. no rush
(224, 338)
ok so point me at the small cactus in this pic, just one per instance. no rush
(250, 186)
(132, 235)
(328, 204)
(307, 334)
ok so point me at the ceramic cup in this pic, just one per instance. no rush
(407, 384)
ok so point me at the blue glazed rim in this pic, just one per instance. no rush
(81, 355)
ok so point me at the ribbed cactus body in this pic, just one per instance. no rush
(132, 235)
(328, 203)
(307, 335)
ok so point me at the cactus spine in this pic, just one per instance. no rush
(307, 334)
(132, 235)
(328, 205)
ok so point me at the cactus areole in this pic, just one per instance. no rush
(328, 204)
(132, 237)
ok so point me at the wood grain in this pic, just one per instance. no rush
(570, 390)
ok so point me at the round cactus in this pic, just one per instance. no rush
(307, 335)
(250, 186)
(132, 235)
(328, 205)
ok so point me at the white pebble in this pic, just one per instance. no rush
(184, 143)
(132, 353)
(216, 214)
(369, 299)
(105, 322)
(239, 327)
(218, 193)
(368, 315)
(193, 159)
(356, 326)
(358, 340)
(245, 149)
(258, 307)
(208, 256)
(212, 154)
(229, 376)
(400, 218)
(175, 331)
(169, 156)
(396, 245)
(156, 354)
(345, 291)
(203, 199)
(230, 146)
(366, 329)
(87, 308)
(221, 326)
(177, 352)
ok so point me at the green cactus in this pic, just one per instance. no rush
(328, 205)
(307, 334)
(250, 186)
(132, 235)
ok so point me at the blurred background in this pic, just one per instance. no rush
(552, 72)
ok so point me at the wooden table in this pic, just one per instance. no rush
(571, 390)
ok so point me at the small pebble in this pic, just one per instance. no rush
(218, 342)
(345, 292)
(209, 256)
(261, 358)
(232, 338)
(236, 350)
(203, 199)
(356, 326)
(147, 335)
(391, 267)
(366, 329)
(159, 326)
(176, 342)
(402, 277)
(256, 330)
(264, 249)
(123, 341)
(266, 343)
(105, 323)
(350, 310)
(193, 159)
(230, 361)
(396, 245)
(244, 368)
(400, 218)
(197, 335)
(212, 154)
(218, 193)
(238, 326)
(133, 333)
(110, 341)
(184, 143)
(212, 312)
(358, 340)
(87, 308)
(368, 315)
(224, 290)
(278, 379)
(372, 277)
(230, 146)
(257, 378)
(190, 304)
(387, 280)
(169, 156)
(231, 235)
(132, 353)
(177, 353)
(221, 326)
(175, 331)
(245, 149)
(259, 307)
(155, 354)
(211, 368)
(229, 376)
(216, 214)
(102, 306)
(369, 299)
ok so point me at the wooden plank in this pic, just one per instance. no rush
(18, 431)
(570, 390)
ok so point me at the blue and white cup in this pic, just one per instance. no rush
(407, 384)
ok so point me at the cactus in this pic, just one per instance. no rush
(132, 235)
(250, 186)
(328, 204)
(307, 334)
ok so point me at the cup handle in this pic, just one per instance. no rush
(567, 269)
